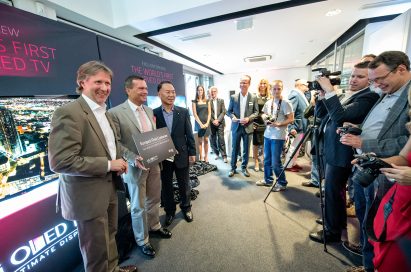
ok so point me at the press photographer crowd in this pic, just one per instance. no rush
(360, 155)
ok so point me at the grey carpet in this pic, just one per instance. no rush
(234, 230)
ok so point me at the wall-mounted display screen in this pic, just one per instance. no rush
(24, 130)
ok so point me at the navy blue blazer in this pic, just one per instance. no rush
(181, 133)
(251, 111)
(333, 114)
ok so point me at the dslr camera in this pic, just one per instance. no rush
(349, 130)
(314, 85)
(270, 119)
(368, 166)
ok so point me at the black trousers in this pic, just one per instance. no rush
(335, 210)
(217, 140)
(167, 191)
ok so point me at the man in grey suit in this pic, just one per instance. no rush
(217, 124)
(242, 110)
(383, 130)
(83, 150)
(144, 185)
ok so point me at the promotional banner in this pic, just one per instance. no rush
(125, 60)
(39, 55)
(38, 239)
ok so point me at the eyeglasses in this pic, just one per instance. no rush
(379, 79)
(277, 89)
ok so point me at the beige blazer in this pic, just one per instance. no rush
(79, 153)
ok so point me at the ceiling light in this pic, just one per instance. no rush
(195, 37)
(258, 58)
(333, 12)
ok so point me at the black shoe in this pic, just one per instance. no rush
(319, 221)
(308, 184)
(169, 219)
(355, 249)
(188, 216)
(148, 250)
(161, 233)
(319, 237)
(245, 172)
(231, 173)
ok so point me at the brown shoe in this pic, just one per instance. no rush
(128, 268)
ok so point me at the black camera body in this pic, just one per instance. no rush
(314, 85)
(368, 166)
(349, 130)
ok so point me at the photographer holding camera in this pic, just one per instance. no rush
(277, 115)
(337, 157)
(384, 131)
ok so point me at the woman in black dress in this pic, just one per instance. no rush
(263, 95)
(202, 116)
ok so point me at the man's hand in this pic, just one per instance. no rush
(245, 120)
(216, 123)
(120, 166)
(351, 140)
(139, 164)
(235, 119)
(191, 160)
(325, 84)
(293, 132)
(401, 174)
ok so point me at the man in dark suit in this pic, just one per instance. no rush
(383, 130)
(177, 120)
(84, 151)
(217, 124)
(337, 157)
(242, 110)
(144, 185)
(299, 126)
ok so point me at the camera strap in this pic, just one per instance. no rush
(369, 224)
(278, 108)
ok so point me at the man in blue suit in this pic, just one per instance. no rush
(337, 157)
(242, 110)
(299, 126)
(177, 120)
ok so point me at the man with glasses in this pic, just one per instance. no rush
(383, 131)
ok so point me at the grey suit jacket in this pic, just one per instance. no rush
(220, 111)
(78, 152)
(393, 134)
(251, 111)
(127, 125)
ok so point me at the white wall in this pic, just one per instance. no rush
(394, 35)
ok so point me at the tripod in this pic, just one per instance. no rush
(311, 130)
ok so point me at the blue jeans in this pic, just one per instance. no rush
(272, 161)
(363, 198)
(237, 135)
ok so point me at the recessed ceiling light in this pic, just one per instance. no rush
(333, 12)
(258, 58)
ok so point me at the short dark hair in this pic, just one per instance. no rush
(160, 85)
(362, 65)
(369, 56)
(392, 59)
(128, 83)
